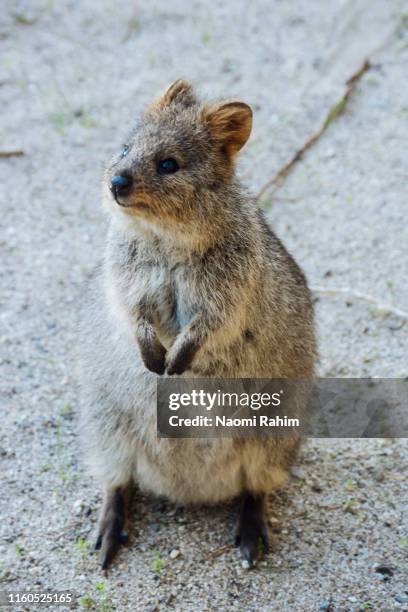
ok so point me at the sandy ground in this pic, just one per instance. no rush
(72, 78)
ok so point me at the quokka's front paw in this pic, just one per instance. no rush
(180, 357)
(154, 358)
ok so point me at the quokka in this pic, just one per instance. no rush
(194, 283)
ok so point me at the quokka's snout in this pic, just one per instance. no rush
(128, 188)
(121, 185)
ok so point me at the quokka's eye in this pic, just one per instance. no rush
(167, 166)
(125, 150)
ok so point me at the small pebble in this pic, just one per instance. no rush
(379, 476)
(389, 519)
(315, 486)
(297, 473)
(324, 606)
(175, 553)
(401, 599)
(78, 506)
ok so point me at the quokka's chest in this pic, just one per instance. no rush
(173, 295)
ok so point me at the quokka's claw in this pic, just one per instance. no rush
(252, 548)
(98, 543)
(110, 544)
(112, 533)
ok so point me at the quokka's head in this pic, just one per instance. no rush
(179, 154)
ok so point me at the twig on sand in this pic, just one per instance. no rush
(16, 153)
(217, 552)
(75, 524)
(387, 308)
(334, 112)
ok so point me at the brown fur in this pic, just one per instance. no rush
(195, 282)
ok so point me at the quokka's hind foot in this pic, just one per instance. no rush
(112, 529)
(252, 534)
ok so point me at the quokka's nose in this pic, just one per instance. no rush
(121, 185)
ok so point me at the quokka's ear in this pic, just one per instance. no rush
(180, 92)
(230, 124)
